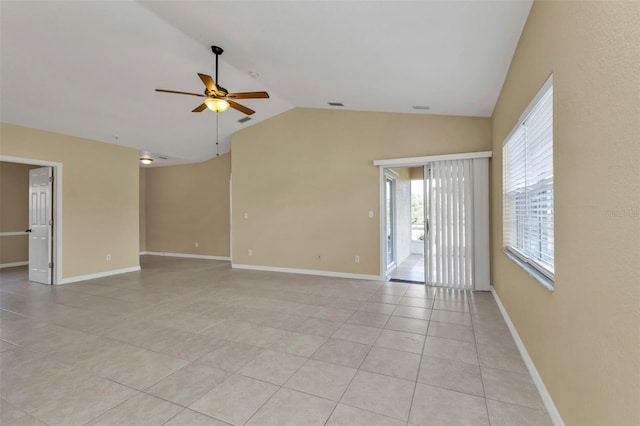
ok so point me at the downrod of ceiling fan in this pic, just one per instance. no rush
(217, 51)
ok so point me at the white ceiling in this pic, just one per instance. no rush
(89, 68)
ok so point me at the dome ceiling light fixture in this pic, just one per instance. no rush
(146, 160)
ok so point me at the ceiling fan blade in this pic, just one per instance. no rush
(208, 81)
(241, 108)
(200, 108)
(247, 95)
(180, 93)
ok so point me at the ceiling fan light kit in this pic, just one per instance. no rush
(217, 105)
(217, 98)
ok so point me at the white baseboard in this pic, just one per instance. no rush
(537, 380)
(307, 272)
(142, 253)
(98, 275)
(191, 256)
(11, 265)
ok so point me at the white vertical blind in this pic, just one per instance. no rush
(449, 242)
(528, 187)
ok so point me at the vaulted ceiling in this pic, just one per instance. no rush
(90, 68)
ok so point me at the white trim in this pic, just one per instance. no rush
(11, 234)
(191, 256)
(142, 253)
(230, 217)
(381, 223)
(420, 161)
(12, 264)
(57, 215)
(537, 380)
(99, 275)
(306, 272)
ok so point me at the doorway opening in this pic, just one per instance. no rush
(405, 217)
(435, 227)
(37, 218)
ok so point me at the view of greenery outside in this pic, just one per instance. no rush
(417, 210)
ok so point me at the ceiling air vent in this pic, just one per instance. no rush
(420, 107)
(163, 158)
(336, 103)
(244, 119)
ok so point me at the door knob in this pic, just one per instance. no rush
(27, 230)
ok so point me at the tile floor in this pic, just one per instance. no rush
(411, 269)
(192, 342)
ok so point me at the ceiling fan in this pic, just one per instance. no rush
(217, 98)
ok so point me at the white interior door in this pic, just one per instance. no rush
(40, 224)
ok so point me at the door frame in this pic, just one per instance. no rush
(57, 210)
(409, 162)
(392, 175)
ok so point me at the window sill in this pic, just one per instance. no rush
(542, 279)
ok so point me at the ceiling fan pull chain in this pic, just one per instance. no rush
(217, 131)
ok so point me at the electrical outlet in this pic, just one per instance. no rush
(250, 252)
(108, 257)
(357, 259)
(197, 244)
(246, 215)
(370, 214)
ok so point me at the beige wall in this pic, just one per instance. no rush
(143, 209)
(14, 211)
(188, 204)
(307, 181)
(100, 197)
(584, 337)
(403, 213)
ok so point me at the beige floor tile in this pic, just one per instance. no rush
(384, 298)
(301, 344)
(503, 414)
(357, 333)
(418, 302)
(436, 406)
(493, 335)
(230, 356)
(460, 318)
(451, 331)
(408, 325)
(9, 412)
(333, 314)
(511, 387)
(188, 384)
(369, 319)
(139, 410)
(412, 312)
(345, 415)
(228, 329)
(449, 374)
(501, 356)
(403, 365)
(400, 340)
(457, 350)
(342, 352)
(448, 305)
(319, 327)
(384, 395)
(192, 418)
(260, 336)
(80, 406)
(235, 400)
(379, 308)
(288, 407)
(322, 379)
(26, 420)
(273, 366)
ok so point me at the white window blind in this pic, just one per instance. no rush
(528, 186)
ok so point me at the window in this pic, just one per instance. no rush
(528, 188)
